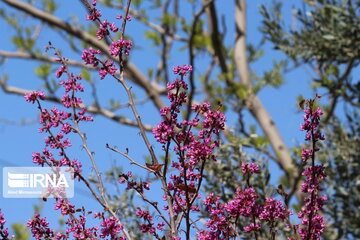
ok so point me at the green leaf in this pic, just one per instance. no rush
(17, 41)
(332, 70)
(136, 3)
(241, 91)
(329, 37)
(13, 22)
(86, 75)
(49, 5)
(252, 128)
(153, 36)
(30, 43)
(43, 70)
(169, 20)
(150, 72)
(21, 231)
(259, 141)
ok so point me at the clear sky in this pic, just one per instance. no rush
(18, 132)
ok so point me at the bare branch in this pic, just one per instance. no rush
(94, 110)
(253, 103)
(129, 158)
(43, 58)
(132, 72)
(192, 55)
(215, 37)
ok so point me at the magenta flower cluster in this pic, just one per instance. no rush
(111, 228)
(224, 217)
(4, 232)
(40, 228)
(75, 225)
(120, 45)
(104, 26)
(250, 168)
(312, 222)
(182, 70)
(117, 47)
(33, 96)
(148, 226)
(193, 148)
(59, 121)
(108, 66)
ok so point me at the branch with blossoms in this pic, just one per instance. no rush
(313, 224)
(188, 145)
(4, 232)
(59, 119)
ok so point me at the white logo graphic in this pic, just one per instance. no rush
(34, 182)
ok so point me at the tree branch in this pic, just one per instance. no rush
(43, 58)
(132, 72)
(253, 103)
(94, 110)
(215, 37)
(158, 28)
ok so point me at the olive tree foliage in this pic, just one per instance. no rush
(344, 181)
(323, 37)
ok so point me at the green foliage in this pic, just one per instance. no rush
(253, 53)
(155, 37)
(136, 3)
(274, 77)
(169, 20)
(342, 157)
(86, 75)
(24, 43)
(21, 232)
(49, 5)
(328, 32)
(43, 70)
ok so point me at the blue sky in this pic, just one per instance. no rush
(18, 141)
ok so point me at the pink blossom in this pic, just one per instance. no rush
(38, 159)
(128, 17)
(120, 46)
(60, 71)
(182, 71)
(103, 29)
(33, 96)
(108, 68)
(40, 228)
(312, 224)
(65, 206)
(110, 227)
(88, 56)
(4, 232)
(273, 210)
(95, 14)
(252, 227)
(250, 168)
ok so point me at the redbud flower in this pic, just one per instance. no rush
(182, 71)
(40, 227)
(110, 227)
(33, 96)
(250, 168)
(4, 232)
(312, 223)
